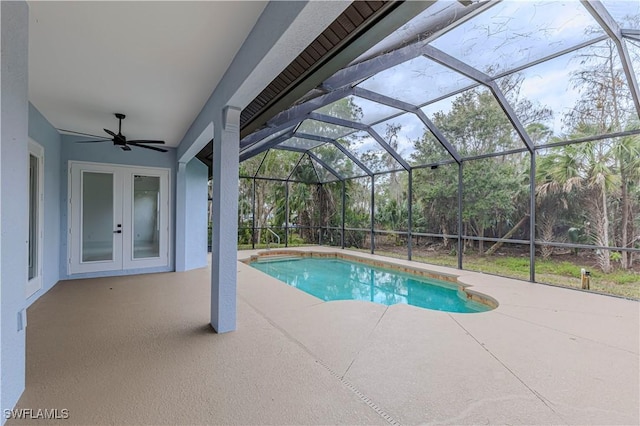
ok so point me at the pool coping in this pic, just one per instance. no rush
(464, 289)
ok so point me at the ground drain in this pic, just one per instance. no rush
(360, 395)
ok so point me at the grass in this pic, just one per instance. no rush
(551, 271)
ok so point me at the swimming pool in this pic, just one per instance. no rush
(337, 279)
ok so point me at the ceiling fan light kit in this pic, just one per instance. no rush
(121, 140)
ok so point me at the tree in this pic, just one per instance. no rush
(476, 125)
(606, 106)
(586, 169)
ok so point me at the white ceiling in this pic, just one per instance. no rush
(156, 62)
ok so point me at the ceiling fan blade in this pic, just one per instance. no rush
(125, 148)
(110, 132)
(147, 147)
(146, 141)
(80, 133)
(103, 140)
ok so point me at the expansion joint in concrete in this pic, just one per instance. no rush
(571, 335)
(380, 411)
(539, 396)
(370, 334)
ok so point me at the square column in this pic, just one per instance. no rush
(224, 244)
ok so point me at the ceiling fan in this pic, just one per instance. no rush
(120, 139)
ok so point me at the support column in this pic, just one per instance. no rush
(410, 215)
(460, 190)
(286, 214)
(373, 200)
(253, 214)
(344, 208)
(319, 229)
(532, 218)
(224, 245)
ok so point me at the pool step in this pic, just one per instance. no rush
(277, 258)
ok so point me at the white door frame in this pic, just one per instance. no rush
(123, 214)
(35, 284)
(74, 214)
(128, 259)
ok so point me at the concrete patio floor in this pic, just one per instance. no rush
(139, 350)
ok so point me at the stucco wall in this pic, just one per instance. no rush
(13, 192)
(197, 202)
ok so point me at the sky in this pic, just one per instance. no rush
(510, 34)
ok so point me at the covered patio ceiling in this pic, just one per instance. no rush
(155, 61)
(368, 118)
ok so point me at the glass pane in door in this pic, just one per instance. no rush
(146, 220)
(33, 216)
(97, 216)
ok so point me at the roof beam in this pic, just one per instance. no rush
(362, 70)
(482, 78)
(389, 149)
(311, 155)
(352, 157)
(264, 133)
(255, 150)
(318, 138)
(390, 17)
(325, 165)
(631, 33)
(300, 111)
(296, 166)
(364, 127)
(511, 115)
(339, 146)
(294, 115)
(611, 27)
(385, 100)
(369, 67)
(456, 65)
(338, 121)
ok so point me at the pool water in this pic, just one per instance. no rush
(333, 279)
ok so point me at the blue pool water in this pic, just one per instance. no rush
(333, 279)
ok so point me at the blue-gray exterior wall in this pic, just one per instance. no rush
(191, 215)
(14, 204)
(197, 198)
(106, 153)
(42, 132)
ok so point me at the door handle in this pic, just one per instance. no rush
(119, 231)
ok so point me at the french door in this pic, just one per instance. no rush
(119, 217)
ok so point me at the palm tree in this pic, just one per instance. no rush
(627, 156)
(587, 171)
